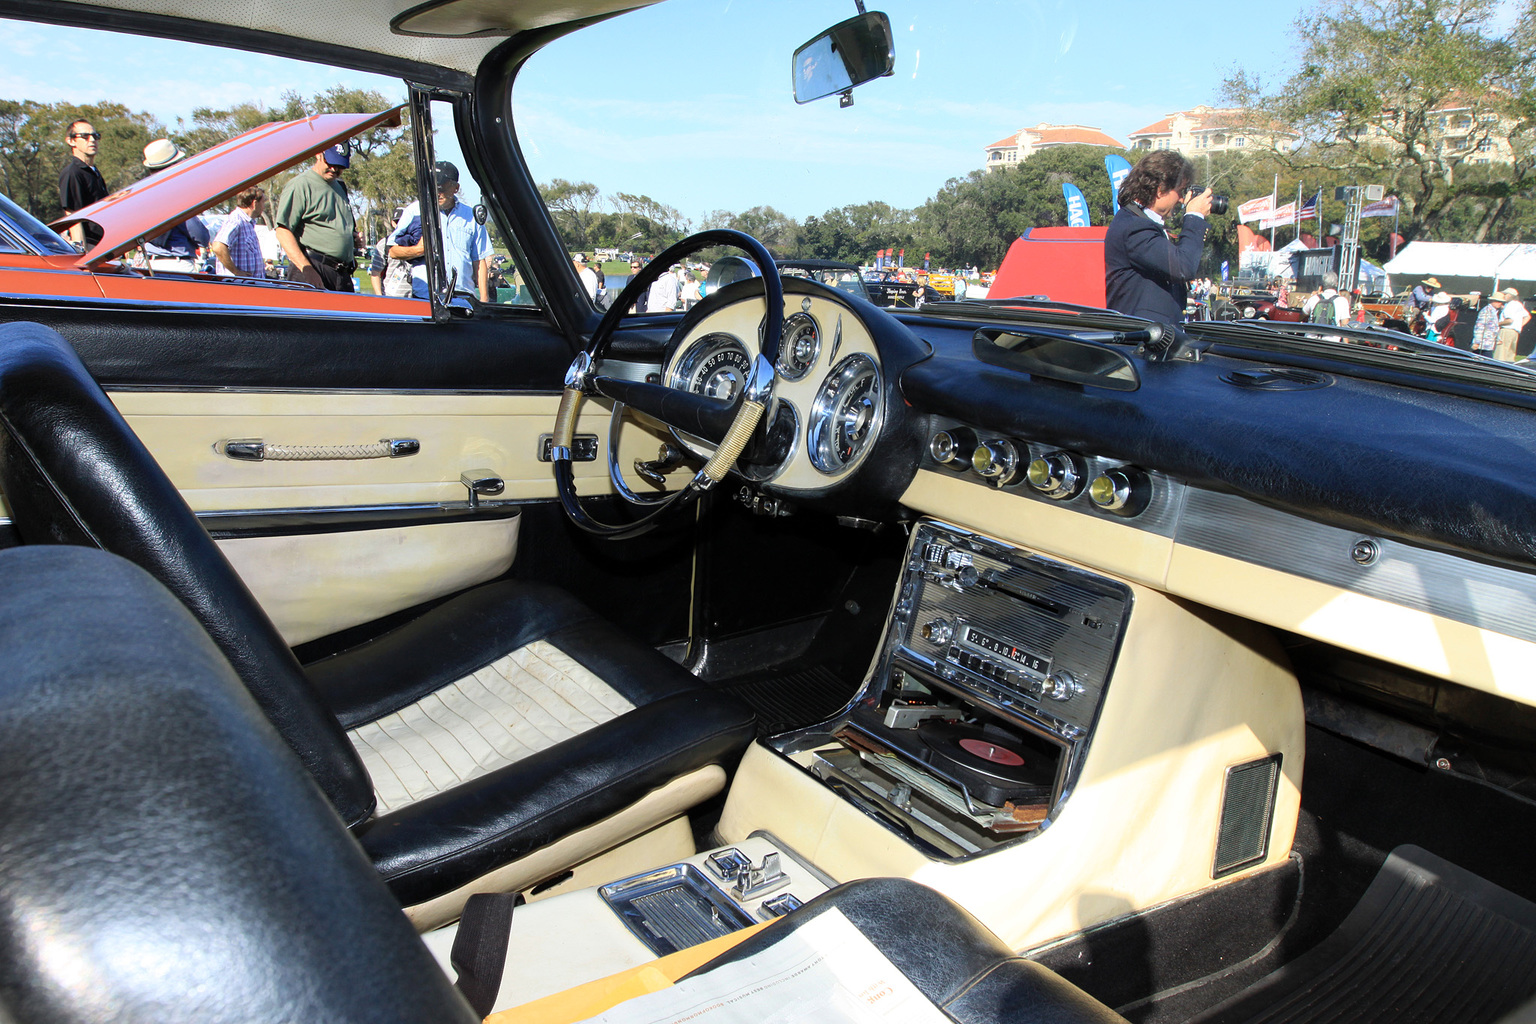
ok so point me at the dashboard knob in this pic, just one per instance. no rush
(1057, 475)
(939, 631)
(1060, 685)
(953, 447)
(1124, 491)
(997, 460)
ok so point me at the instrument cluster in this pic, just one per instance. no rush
(828, 409)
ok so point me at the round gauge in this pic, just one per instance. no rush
(716, 365)
(800, 346)
(845, 418)
(778, 447)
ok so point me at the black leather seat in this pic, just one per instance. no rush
(164, 857)
(583, 722)
(951, 957)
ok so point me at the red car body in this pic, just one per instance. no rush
(30, 271)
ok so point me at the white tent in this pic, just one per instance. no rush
(1463, 266)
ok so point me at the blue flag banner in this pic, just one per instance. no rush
(1117, 167)
(1077, 206)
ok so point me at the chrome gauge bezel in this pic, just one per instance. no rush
(685, 372)
(829, 411)
(767, 474)
(795, 327)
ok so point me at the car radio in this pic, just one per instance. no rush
(976, 719)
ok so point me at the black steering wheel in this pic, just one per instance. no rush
(729, 423)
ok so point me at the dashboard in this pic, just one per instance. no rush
(829, 409)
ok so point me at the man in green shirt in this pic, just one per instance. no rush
(315, 224)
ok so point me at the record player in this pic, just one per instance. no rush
(974, 723)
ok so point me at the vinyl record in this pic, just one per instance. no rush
(994, 756)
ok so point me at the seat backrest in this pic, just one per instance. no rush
(74, 472)
(164, 856)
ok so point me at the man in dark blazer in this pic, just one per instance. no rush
(1146, 273)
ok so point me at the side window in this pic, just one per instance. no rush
(481, 259)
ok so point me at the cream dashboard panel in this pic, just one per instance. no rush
(1433, 612)
(841, 335)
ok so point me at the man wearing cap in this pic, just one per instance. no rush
(466, 243)
(175, 249)
(315, 224)
(1511, 324)
(80, 183)
(586, 274)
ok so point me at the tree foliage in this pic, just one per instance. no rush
(1403, 93)
(33, 148)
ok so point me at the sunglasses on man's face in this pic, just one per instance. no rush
(85, 135)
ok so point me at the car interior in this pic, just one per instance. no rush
(512, 661)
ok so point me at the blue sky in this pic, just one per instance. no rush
(651, 102)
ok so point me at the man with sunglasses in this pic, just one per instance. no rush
(466, 242)
(80, 183)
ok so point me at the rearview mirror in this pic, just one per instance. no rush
(845, 55)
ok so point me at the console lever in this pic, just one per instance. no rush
(760, 879)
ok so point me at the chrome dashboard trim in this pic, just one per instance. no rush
(1451, 586)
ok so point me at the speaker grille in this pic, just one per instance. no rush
(1247, 803)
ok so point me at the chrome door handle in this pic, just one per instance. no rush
(254, 449)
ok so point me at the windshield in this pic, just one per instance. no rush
(996, 113)
(41, 234)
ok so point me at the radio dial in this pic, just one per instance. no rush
(938, 631)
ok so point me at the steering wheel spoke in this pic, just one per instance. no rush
(703, 417)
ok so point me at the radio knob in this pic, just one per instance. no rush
(1056, 475)
(938, 631)
(1061, 686)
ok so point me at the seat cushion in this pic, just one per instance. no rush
(520, 704)
(475, 629)
(509, 717)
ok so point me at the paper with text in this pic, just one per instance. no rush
(825, 971)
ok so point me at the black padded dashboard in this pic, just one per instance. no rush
(1437, 469)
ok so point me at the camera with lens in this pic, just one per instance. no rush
(1218, 203)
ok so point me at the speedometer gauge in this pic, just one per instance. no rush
(845, 419)
(800, 346)
(716, 365)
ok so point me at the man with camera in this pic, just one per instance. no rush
(1146, 272)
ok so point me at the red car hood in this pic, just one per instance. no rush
(154, 204)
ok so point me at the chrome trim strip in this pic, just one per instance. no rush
(203, 308)
(218, 389)
(1453, 587)
(424, 506)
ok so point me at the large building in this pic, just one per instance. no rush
(1207, 130)
(1026, 142)
(1462, 129)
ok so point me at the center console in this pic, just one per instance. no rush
(976, 719)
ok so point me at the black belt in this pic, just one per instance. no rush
(327, 260)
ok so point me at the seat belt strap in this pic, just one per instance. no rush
(480, 948)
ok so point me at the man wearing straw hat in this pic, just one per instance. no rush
(176, 249)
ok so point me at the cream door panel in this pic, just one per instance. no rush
(313, 584)
(456, 432)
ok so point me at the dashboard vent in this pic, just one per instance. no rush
(1278, 378)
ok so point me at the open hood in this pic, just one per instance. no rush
(152, 205)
